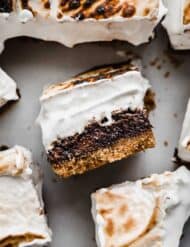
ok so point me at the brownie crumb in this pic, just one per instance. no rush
(154, 61)
(167, 74)
(166, 143)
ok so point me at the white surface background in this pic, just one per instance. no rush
(34, 64)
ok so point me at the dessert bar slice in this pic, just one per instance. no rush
(75, 21)
(147, 213)
(177, 23)
(22, 218)
(96, 118)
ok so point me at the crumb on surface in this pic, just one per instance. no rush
(154, 61)
(166, 143)
(167, 74)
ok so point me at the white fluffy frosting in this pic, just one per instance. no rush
(150, 212)
(45, 25)
(7, 88)
(65, 112)
(179, 32)
(21, 210)
(184, 141)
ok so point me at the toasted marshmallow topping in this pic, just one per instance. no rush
(22, 220)
(7, 88)
(67, 108)
(143, 213)
(73, 22)
(177, 23)
(184, 141)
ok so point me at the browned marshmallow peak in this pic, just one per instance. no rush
(95, 118)
(147, 213)
(77, 21)
(22, 219)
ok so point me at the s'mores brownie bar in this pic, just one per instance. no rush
(183, 151)
(177, 23)
(22, 219)
(77, 21)
(147, 213)
(8, 89)
(96, 118)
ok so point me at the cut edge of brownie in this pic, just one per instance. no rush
(128, 127)
(123, 148)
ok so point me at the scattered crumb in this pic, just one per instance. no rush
(159, 66)
(167, 74)
(149, 100)
(165, 143)
(175, 115)
(154, 61)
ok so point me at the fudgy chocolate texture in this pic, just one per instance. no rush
(6, 6)
(123, 148)
(126, 124)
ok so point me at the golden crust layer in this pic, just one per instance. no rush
(122, 149)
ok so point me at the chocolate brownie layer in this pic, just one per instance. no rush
(121, 149)
(99, 136)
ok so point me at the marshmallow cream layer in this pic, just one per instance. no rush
(147, 213)
(184, 141)
(67, 108)
(22, 219)
(7, 89)
(71, 22)
(177, 23)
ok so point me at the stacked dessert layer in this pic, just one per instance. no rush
(177, 23)
(73, 21)
(22, 218)
(96, 118)
(147, 213)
